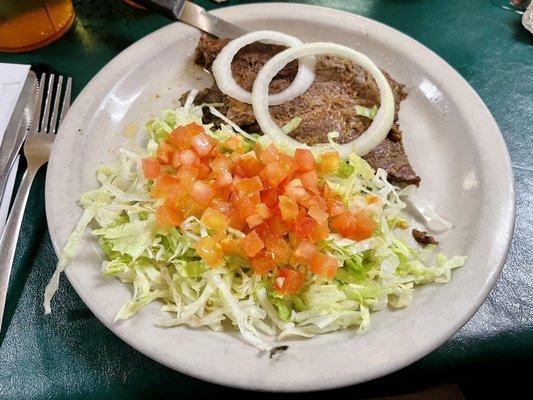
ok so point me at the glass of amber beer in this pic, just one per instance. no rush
(28, 24)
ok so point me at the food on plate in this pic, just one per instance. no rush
(225, 226)
(341, 99)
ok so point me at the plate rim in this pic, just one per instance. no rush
(510, 212)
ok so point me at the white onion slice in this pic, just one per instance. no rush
(226, 83)
(375, 133)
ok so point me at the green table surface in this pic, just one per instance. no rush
(70, 354)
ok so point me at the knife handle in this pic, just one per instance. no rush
(8, 242)
(168, 8)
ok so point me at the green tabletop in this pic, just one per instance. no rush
(70, 354)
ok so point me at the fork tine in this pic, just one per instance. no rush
(47, 101)
(55, 109)
(36, 118)
(66, 99)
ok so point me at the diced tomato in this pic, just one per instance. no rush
(235, 144)
(175, 159)
(355, 227)
(215, 220)
(309, 180)
(289, 281)
(288, 207)
(202, 144)
(329, 163)
(318, 214)
(271, 229)
(210, 251)
(270, 154)
(315, 200)
(194, 128)
(280, 250)
(163, 186)
(324, 265)
(203, 171)
(168, 216)
(320, 232)
(263, 262)
(263, 210)
(254, 220)
(188, 157)
(230, 245)
(270, 197)
(164, 153)
(187, 176)
(305, 226)
(364, 226)
(180, 138)
(274, 173)
(305, 252)
(151, 168)
(224, 180)
(250, 185)
(220, 205)
(305, 160)
(251, 244)
(221, 165)
(236, 221)
(242, 203)
(248, 165)
(202, 192)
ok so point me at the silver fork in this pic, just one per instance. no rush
(37, 150)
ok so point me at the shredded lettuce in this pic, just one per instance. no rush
(161, 264)
(366, 112)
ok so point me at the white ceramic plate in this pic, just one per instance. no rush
(452, 141)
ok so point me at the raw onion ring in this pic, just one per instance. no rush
(226, 83)
(363, 144)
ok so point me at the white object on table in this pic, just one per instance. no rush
(12, 77)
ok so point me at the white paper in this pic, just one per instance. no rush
(12, 77)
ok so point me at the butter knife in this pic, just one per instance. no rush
(17, 128)
(192, 14)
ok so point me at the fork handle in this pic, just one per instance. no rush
(8, 242)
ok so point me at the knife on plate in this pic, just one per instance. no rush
(17, 128)
(194, 15)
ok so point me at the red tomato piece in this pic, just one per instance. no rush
(180, 138)
(235, 144)
(304, 227)
(254, 220)
(329, 163)
(168, 216)
(270, 197)
(364, 226)
(309, 180)
(151, 168)
(164, 186)
(202, 193)
(250, 185)
(318, 215)
(280, 250)
(274, 173)
(324, 265)
(251, 244)
(202, 144)
(263, 262)
(320, 232)
(220, 205)
(289, 281)
(242, 203)
(305, 252)
(221, 165)
(215, 220)
(187, 176)
(188, 157)
(288, 207)
(270, 154)
(210, 251)
(305, 160)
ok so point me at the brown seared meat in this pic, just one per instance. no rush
(328, 105)
(423, 238)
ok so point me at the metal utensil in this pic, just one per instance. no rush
(37, 152)
(17, 129)
(192, 14)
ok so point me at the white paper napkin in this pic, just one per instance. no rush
(12, 77)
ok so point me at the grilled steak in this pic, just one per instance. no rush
(328, 105)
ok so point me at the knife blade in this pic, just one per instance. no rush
(193, 14)
(17, 128)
